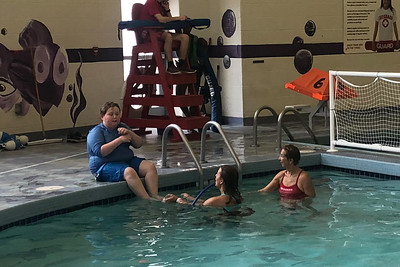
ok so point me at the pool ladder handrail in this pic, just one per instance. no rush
(279, 126)
(255, 124)
(231, 150)
(186, 142)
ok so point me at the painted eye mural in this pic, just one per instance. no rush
(60, 67)
(8, 94)
(39, 71)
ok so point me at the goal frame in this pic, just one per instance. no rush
(332, 115)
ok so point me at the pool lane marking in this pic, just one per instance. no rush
(42, 163)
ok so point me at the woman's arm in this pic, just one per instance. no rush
(189, 197)
(185, 199)
(217, 201)
(274, 184)
(396, 34)
(374, 36)
(305, 184)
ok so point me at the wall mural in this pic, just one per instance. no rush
(37, 74)
(78, 104)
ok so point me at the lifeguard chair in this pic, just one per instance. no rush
(149, 85)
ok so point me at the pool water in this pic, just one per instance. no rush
(354, 221)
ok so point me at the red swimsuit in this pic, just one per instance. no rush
(291, 192)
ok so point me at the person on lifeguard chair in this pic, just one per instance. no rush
(158, 10)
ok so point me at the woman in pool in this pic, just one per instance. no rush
(292, 182)
(226, 180)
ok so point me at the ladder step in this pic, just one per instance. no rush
(183, 78)
(185, 123)
(159, 100)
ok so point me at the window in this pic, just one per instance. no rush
(128, 37)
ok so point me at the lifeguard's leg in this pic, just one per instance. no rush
(148, 170)
(134, 183)
(167, 38)
(184, 43)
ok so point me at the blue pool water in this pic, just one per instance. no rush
(354, 221)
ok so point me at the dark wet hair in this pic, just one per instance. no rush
(106, 106)
(231, 181)
(292, 152)
(390, 5)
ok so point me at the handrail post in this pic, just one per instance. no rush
(332, 112)
(233, 153)
(255, 123)
(186, 142)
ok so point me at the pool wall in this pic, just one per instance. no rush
(384, 167)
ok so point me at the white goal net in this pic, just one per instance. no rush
(365, 110)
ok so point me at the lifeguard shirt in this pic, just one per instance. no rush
(151, 8)
(385, 19)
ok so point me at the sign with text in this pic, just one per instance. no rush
(370, 26)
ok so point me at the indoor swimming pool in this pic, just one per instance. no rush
(353, 221)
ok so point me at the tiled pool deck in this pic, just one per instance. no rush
(48, 179)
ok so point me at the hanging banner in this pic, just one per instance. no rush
(370, 26)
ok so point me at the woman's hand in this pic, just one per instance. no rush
(170, 198)
(181, 201)
(185, 195)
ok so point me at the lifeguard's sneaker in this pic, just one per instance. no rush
(183, 67)
(173, 70)
(186, 69)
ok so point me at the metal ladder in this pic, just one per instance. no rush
(255, 124)
(280, 126)
(202, 149)
(231, 150)
(186, 142)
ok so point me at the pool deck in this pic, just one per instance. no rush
(41, 180)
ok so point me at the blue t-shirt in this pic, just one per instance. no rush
(100, 135)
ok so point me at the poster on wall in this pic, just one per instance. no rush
(370, 26)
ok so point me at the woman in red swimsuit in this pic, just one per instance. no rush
(292, 182)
